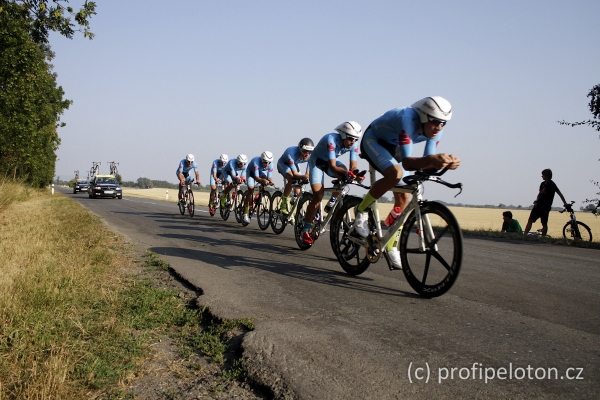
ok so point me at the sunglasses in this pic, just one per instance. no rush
(436, 121)
(351, 139)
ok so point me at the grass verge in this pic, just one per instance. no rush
(79, 314)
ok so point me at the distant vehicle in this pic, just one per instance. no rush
(81, 186)
(105, 186)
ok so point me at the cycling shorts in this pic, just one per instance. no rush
(319, 168)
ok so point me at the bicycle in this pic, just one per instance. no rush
(214, 204)
(187, 200)
(261, 205)
(279, 220)
(431, 241)
(342, 186)
(235, 203)
(575, 230)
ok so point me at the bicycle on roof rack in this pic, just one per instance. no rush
(430, 245)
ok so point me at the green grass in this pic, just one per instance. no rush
(79, 314)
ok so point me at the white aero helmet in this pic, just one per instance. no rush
(242, 158)
(266, 156)
(224, 158)
(349, 128)
(190, 158)
(433, 107)
(306, 144)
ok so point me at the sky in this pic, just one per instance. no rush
(163, 79)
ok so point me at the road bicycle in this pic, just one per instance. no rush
(280, 220)
(234, 202)
(575, 230)
(187, 200)
(261, 206)
(430, 245)
(213, 204)
(320, 223)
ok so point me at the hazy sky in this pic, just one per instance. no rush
(162, 79)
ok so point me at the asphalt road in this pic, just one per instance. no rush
(522, 321)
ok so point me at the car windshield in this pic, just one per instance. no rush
(106, 180)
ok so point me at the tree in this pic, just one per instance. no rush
(594, 106)
(31, 102)
(45, 16)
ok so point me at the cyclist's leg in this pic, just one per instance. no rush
(317, 178)
(250, 182)
(213, 189)
(226, 189)
(533, 216)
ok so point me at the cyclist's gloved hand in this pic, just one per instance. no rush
(350, 175)
(568, 207)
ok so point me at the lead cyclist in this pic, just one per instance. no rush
(387, 146)
(183, 173)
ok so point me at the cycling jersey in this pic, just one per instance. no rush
(185, 170)
(231, 170)
(256, 169)
(388, 140)
(288, 162)
(330, 147)
(216, 169)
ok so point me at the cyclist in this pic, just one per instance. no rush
(259, 170)
(234, 172)
(216, 171)
(324, 160)
(287, 166)
(183, 173)
(387, 146)
(543, 203)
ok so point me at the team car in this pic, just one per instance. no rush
(105, 186)
(81, 186)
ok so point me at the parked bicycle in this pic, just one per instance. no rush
(261, 206)
(320, 224)
(235, 203)
(187, 200)
(431, 242)
(279, 220)
(213, 204)
(575, 230)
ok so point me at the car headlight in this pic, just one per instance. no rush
(118, 188)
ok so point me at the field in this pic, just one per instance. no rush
(469, 218)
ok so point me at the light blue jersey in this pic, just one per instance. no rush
(330, 147)
(288, 162)
(389, 138)
(231, 170)
(185, 170)
(256, 169)
(216, 169)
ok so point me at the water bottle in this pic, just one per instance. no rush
(329, 205)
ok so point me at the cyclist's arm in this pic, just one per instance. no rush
(434, 161)
(337, 170)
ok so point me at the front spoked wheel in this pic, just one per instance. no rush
(226, 210)
(263, 211)
(181, 204)
(351, 256)
(190, 203)
(239, 206)
(278, 220)
(431, 248)
(299, 224)
(577, 231)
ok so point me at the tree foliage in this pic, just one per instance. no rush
(594, 106)
(31, 101)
